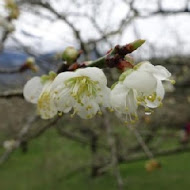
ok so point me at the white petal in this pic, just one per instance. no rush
(61, 78)
(158, 71)
(85, 113)
(106, 97)
(159, 96)
(103, 96)
(33, 89)
(94, 73)
(161, 73)
(46, 105)
(123, 99)
(118, 97)
(141, 81)
(64, 101)
(131, 101)
(146, 66)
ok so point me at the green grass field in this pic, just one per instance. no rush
(51, 163)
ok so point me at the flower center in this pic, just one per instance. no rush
(82, 86)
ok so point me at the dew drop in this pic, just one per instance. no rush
(148, 112)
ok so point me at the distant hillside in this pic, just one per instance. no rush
(10, 59)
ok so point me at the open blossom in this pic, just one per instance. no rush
(160, 74)
(139, 86)
(38, 92)
(124, 102)
(84, 91)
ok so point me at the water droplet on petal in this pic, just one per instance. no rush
(148, 112)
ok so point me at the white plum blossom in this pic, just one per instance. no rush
(124, 102)
(38, 92)
(141, 85)
(160, 74)
(84, 91)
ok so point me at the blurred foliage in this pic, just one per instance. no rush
(56, 163)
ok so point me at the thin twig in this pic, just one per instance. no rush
(18, 140)
(24, 137)
(11, 94)
(114, 157)
(141, 141)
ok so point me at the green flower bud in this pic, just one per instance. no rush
(52, 75)
(137, 43)
(44, 78)
(70, 55)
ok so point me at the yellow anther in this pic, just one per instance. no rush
(74, 112)
(160, 105)
(100, 113)
(60, 113)
(172, 81)
(139, 99)
(138, 103)
(88, 107)
(152, 97)
(132, 121)
(111, 109)
(136, 118)
(89, 116)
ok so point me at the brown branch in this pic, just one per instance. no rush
(18, 140)
(11, 94)
(63, 17)
(114, 157)
(166, 152)
(72, 136)
(132, 159)
(141, 141)
(23, 136)
(9, 71)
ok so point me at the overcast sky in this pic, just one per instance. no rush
(48, 34)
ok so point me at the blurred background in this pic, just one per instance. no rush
(71, 154)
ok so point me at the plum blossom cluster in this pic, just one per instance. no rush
(84, 92)
(140, 86)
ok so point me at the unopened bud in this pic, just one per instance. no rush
(128, 48)
(30, 62)
(51, 76)
(70, 55)
(136, 44)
